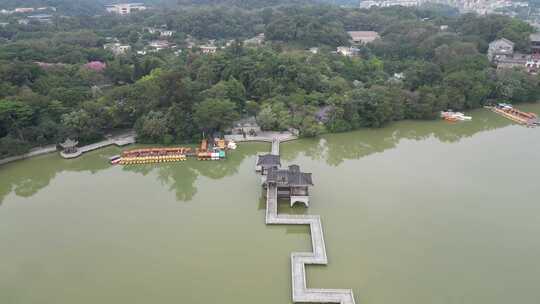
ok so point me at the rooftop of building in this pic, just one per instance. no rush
(363, 35)
(289, 177)
(269, 160)
(534, 37)
(503, 40)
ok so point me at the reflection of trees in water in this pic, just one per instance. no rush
(27, 177)
(181, 177)
(335, 148)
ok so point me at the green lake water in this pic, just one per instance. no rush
(413, 213)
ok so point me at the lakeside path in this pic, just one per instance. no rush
(129, 137)
(263, 137)
(120, 140)
(33, 152)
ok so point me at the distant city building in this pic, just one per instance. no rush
(255, 41)
(388, 3)
(23, 21)
(159, 45)
(535, 42)
(347, 51)
(362, 37)
(208, 49)
(479, 6)
(166, 33)
(500, 48)
(24, 10)
(43, 18)
(117, 48)
(501, 53)
(125, 8)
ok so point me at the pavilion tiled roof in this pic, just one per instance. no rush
(289, 177)
(269, 160)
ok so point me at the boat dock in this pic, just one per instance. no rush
(300, 292)
(214, 150)
(515, 115)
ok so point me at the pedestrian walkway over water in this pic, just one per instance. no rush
(300, 292)
(119, 140)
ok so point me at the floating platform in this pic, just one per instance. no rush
(523, 118)
(174, 154)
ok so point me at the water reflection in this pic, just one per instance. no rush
(335, 148)
(181, 177)
(27, 177)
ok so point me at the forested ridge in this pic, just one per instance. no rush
(48, 92)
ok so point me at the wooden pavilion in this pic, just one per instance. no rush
(291, 183)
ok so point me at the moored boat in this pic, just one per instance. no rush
(454, 116)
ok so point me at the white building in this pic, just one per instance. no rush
(347, 51)
(500, 48)
(166, 33)
(159, 45)
(388, 3)
(208, 49)
(125, 8)
(314, 50)
(117, 48)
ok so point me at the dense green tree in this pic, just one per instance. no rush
(214, 114)
(152, 127)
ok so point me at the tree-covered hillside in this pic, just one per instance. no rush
(48, 91)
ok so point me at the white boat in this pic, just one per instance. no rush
(231, 145)
(454, 116)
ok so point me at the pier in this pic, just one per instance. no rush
(300, 292)
(515, 115)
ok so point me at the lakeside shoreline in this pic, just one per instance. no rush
(128, 138)
(263, 137)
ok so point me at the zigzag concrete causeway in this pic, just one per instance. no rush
(300, 292)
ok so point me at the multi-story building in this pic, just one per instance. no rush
(125, 8)
(42, 18)
(159, 45)
(166, 33)
(208, 49)
(388, 3)
(478, 6)
(347, 51)
(117, 48)
(500, 48)
(535, 43)
(361, 37)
